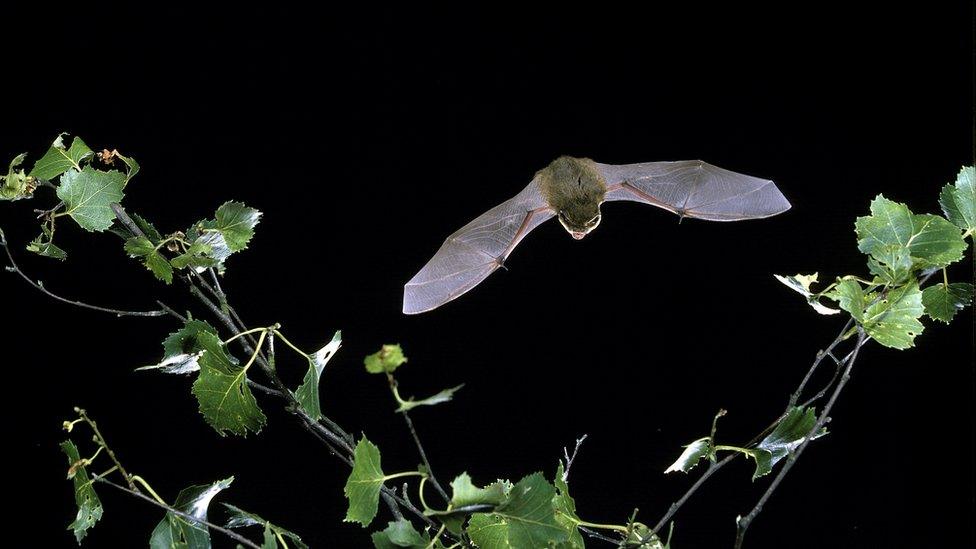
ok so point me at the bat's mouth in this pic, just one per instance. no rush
(577, 235)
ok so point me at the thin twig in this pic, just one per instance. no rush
(100, 440)
(15, 268)
(185, 516)
(744, 522)
(571, 458)
(713, 467)
(423, 456)
(596, 535)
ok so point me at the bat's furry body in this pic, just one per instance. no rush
(572, 189)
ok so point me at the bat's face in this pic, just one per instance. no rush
(579, 219)
(574, 189)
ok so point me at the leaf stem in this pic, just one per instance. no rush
(289, 343)
(148, 488)
(404, 474)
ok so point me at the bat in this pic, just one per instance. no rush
(572, 190)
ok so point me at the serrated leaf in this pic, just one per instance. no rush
(89, 506)
(140, 247)
(364, 483)
(526, 519)
(400, 533)
(465, 493)
(15, 185)
(174, 531)
(891, 264)
(308, 392)
(692, 454)
(44, 247)
(893, 320)
(131, 164)
(147, 228)
(931, 241)
(850, 296)
(57, 160)
(226, 401)
(182, 350)
(386, 360)
(240, 518)
(88, 196)
(236, 222)
(565, 508)
(942, 302)
(789, 433)
(441, 397)
(959, 201)
(229, 232)
(801, 284)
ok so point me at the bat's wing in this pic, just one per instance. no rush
(694, 188)
(472, 253)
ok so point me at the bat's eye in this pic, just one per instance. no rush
(593, 222)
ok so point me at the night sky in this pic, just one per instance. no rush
(367, 137)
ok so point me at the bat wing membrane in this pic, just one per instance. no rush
(693, 188)
(475, 251)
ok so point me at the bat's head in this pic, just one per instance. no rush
(579, 219)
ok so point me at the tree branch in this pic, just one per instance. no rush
(744, 522)
(423, 456)
(15, 268)
(185, 516)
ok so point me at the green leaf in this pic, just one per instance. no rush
(891, 264)
(148, 228)
(182, 349)
(788, 434)
(44, 247)
(177, 532)
(152, 259)
(89, 506)
(400, 534)
(386, 360)
(226, 401)
(931, 241)
(131, 164)
(236, 222)
(893, 320)
(801, 284)
(308, 392)
(565, 508)
(850, 296)
(228, 233)
(443, 396)
(465, 493)
(692, 454)
(526, 519)
(942, 301)
(240, 518)
(959, 201)
(364, 483)
(58, 160)
(197, 254)
(16, 185)
(641, 532)
(88, 196)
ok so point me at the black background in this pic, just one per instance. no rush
(367, 137)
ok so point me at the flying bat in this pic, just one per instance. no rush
(572, 190)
